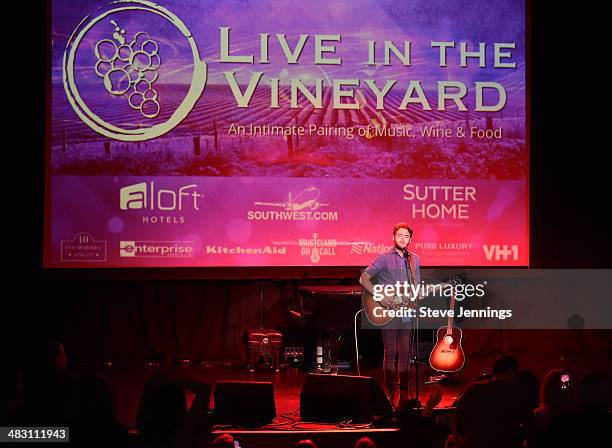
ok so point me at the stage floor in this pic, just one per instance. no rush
(127, 381)
(127, 385)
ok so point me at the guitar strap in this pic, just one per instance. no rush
(409, 267)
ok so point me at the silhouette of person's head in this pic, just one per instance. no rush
(365, 442)
(93, 423)
(93, 397)
(46, 355)
(506, 368)
(161, 411)
(530, 386)
(223, 441)
(306, 443)
(46, 388)
(551, 391)
(593, 391)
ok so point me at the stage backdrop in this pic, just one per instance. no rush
(277, 133)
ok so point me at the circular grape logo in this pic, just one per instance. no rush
(127, 64)
(130, 67)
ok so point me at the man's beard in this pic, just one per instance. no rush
(401, 248)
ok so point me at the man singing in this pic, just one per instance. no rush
(397, 265)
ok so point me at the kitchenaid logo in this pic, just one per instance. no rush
(239, 250)
(304, 206)
(157, 249)
(146, 196)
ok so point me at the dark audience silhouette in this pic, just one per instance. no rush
(504, 412)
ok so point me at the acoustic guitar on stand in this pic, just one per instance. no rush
(447, 355)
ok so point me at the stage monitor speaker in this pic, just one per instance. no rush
(246, 403)
(327, 398)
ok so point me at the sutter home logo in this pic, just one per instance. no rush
(146, 196)
(238, 250)
(156, 249)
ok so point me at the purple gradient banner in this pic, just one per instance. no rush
(281, 133)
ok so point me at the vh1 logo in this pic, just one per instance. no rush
(144, 196)
(499, 252)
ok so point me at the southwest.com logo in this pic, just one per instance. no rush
(144, 196)
(301, 207)
(156, 249)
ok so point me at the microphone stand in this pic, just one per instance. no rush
(416, 359)
(260, 305)
(415, 403)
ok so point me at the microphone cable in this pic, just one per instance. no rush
(356, 342)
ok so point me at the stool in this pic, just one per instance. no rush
(264, 342)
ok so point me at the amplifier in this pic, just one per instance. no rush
(264, 339)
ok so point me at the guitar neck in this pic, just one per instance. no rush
(449, 324)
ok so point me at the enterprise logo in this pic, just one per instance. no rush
(157, 249)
